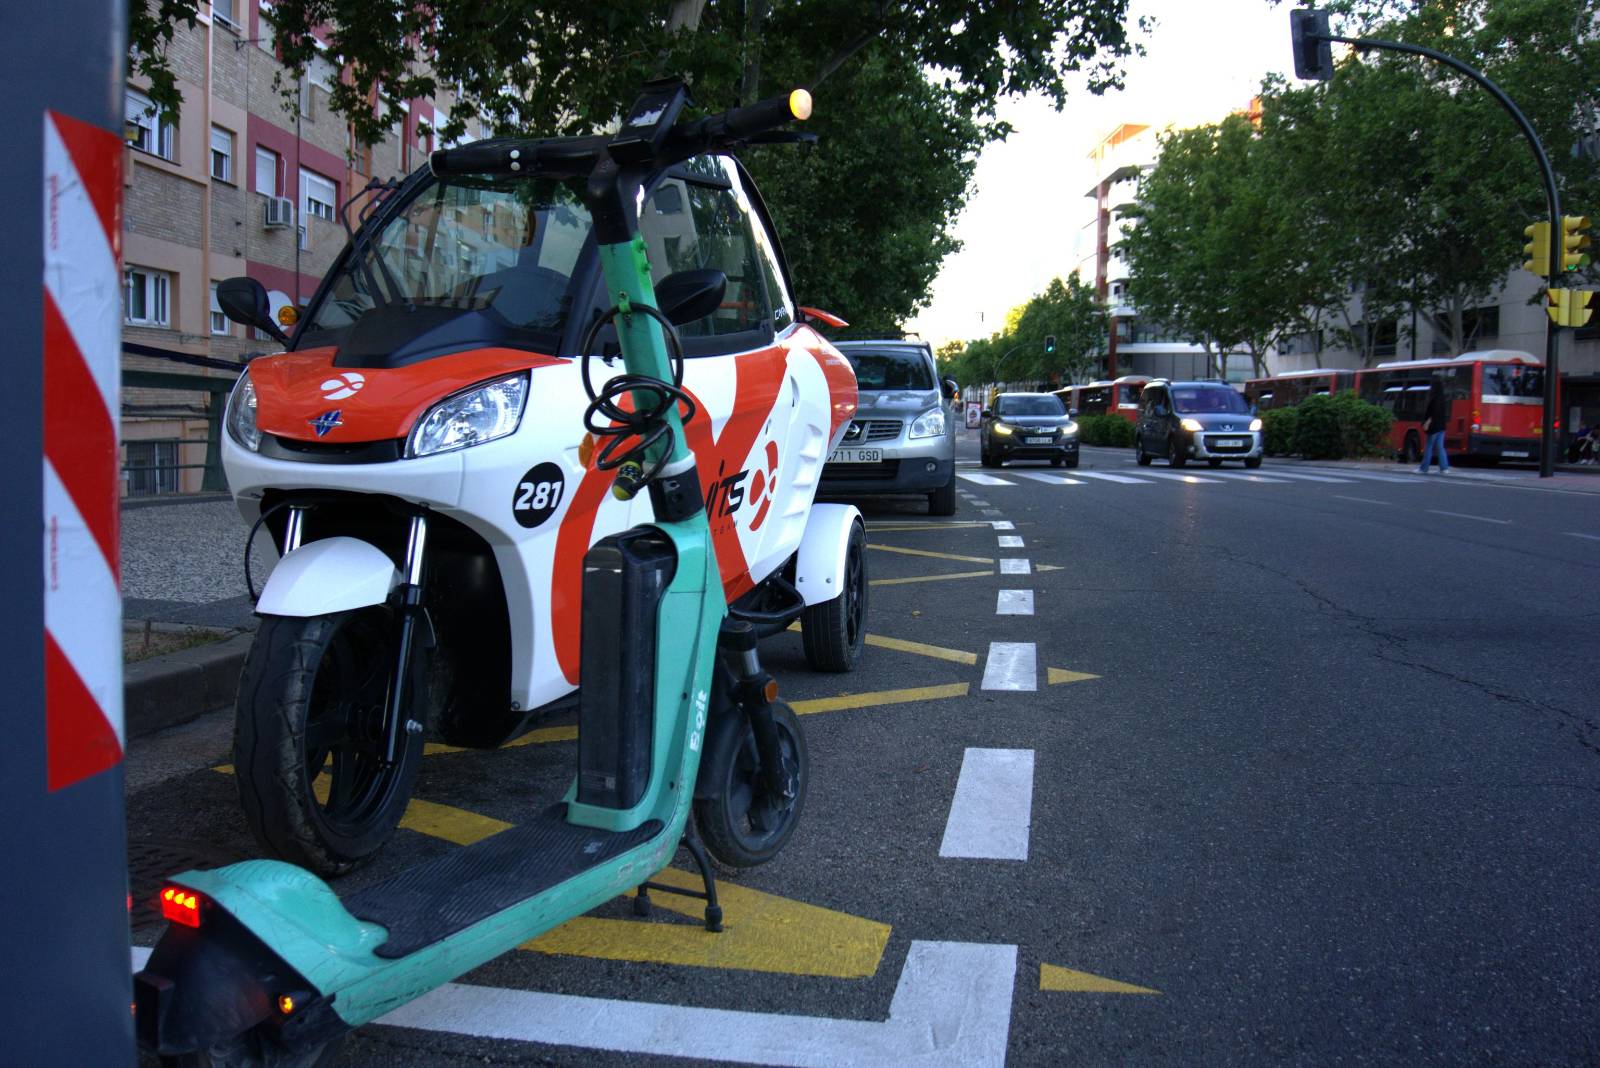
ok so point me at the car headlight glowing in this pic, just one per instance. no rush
(1192, 426)
(930, 424)
(242, 414)
(1002, 430)
(1255, 424)
(471, 417)
(1069, 430)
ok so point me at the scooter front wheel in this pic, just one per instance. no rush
(309, 738)
(254, 1050)
(742, 822)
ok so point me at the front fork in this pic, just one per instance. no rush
(756, 690)
(396, 721)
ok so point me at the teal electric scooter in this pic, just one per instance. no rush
(264, 964)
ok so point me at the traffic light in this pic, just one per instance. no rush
(1570, 307)
(1049, 344)
(1308, 37)
(1574, 240)
(1537, 249)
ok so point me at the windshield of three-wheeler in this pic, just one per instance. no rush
(507, 248)
(1042, 404)
(1217, 399)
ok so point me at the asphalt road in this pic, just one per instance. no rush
(1314, 772)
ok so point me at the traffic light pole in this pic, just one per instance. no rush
(1548, 443)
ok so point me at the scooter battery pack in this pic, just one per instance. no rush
(625, 577)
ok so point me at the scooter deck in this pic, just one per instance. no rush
(431, 902)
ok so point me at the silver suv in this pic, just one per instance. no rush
(903, 437)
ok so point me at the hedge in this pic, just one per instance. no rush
(1278, 427)
(1109, 430)
(1345, 426)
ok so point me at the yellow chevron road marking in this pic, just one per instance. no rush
(1056, 676)
(932, 554)
(935, 651)
(542, 736)
(882, 697)
(1052, 977)
(931, 578)
(904, 527)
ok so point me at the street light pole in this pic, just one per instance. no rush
(1552, 196)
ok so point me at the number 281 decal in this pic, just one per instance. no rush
(538, 494)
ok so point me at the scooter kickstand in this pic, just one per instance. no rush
(691, 841)
(641, 901)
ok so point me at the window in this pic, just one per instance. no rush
(219, 321)
(1195, 399)
(360, 154)
(899, 367)
(266, 32)
(319, 196)
(150, 467)
(221, 154)
(226, 11)
(1045, 404)
(145, 130)
(1510, 381)
(266, 171)
(717, 230)
(145, 296)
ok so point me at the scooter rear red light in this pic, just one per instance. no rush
(181, 906)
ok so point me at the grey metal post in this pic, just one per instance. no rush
(66, 991)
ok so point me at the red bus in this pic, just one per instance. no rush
(1496, 403)
(1107, 397)
(1292, 387)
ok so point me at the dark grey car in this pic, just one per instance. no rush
(1028, 426)
(903, 437)
(1208, 421)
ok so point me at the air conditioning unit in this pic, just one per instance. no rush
(280, 213)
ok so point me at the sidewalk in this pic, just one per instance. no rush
(1569, 478)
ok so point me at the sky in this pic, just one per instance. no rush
(1205, 58)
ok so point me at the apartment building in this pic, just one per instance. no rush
(245, 181)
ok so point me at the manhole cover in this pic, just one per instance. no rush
(151, 861)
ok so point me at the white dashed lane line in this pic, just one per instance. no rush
(981, 504)
(1587, 537)
(1463, 515)
(1010, 541)
(1014, 603)
(1003, 524)
(1011, 666)
(1363, 500)
(1011, 565)
(993, 806)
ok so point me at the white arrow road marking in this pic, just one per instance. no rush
(982, 479)
(1011, 666)
(993, 806)
(1014, 603)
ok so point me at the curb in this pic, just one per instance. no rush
(165, 691)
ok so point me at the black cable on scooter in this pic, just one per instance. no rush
(639, 428)
(249, 582)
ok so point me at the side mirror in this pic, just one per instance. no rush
(950, 388)
(1072, 413)
(685, 296)
(818, 317)
(988, 414)
(244, 300)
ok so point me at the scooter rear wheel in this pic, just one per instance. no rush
(742, 823)
(254, 1050)
(309, 738)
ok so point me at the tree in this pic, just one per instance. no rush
(1070, 313)
(898, 144)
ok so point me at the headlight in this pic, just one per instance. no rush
(471, 417)
(242, 414)
(1070, 430)
(1255, 424)
(1002, 429)
(1192, 426)
(930, 424)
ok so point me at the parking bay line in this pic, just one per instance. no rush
(952, 1006)
(900, 645)
(1002, 524)
(992, 808)
(1014, 566)
(930, 553)
(1463, 515)
(930, 578)
(1011, 666)
(1014, 603)
(813, 705)
(901, 528)
(1010, 541)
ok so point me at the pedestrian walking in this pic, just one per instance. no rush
(1433, 423)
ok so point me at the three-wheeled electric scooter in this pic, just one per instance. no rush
(263, 963)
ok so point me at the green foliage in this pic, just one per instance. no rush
(1278, 426)
(1068, 309)
(1341, 427)
(1109, 430)
(866, 216)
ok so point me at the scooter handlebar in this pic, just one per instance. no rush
(741, 123)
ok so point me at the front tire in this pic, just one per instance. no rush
(308, 738)
(942, 501)
(1143, 458)
(835, 632)
(1175, 453)
(742, 823)
(1253, 462)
